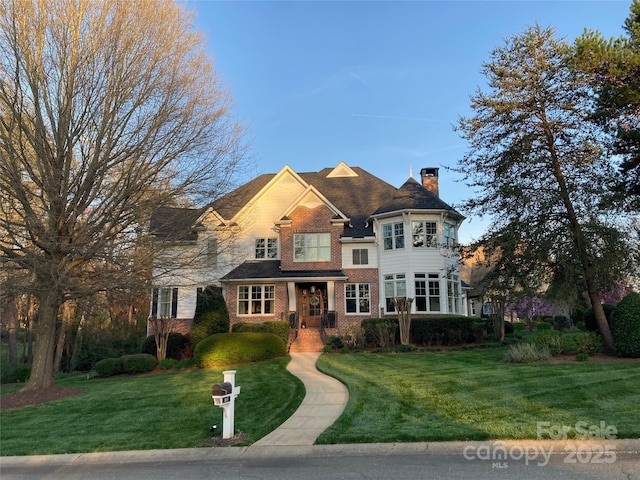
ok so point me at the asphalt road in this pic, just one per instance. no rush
(478, 461)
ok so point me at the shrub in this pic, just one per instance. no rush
(588, 343)
(543, 326)
(168, 364)
(334, 342)
(526, 353)
(14, 375)
(279, 328)
(178, 346)
(560, 322)
(625, 326)
(508, 328)
(234, 348)
(249, 327)
(551, 340)
(139, 363)
(380, 332)
(211, 315)
(109, 366)
(582, 357)
(444, 330)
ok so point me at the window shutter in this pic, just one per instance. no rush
(154, 302)
(174, 303)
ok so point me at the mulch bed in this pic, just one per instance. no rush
(22, 399)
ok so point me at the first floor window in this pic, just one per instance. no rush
(427, 292)
(394, 286)
(312, 247)
(453, 293)
(256, 299)
(357, 297)
(165, 302)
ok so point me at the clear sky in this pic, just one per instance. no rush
(378, 85)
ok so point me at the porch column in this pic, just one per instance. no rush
(331, 300)
(291, 290)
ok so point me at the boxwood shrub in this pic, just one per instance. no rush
(109, 366)
(444, 330)
(235, 348)
(625, 326)
(138, 363)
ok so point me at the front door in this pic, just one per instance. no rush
(312, 307)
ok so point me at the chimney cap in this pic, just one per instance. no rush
(429, 172)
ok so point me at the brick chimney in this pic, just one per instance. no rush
(429, 178)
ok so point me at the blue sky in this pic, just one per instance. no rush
(375, 84)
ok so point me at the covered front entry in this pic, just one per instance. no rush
(312, 303)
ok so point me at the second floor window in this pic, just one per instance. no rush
(360, 256)
(449, 235)
(424, 234)
(164, 302)
(266, 248)
(393, 235)
(312, 247)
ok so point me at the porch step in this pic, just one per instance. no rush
(308, 340)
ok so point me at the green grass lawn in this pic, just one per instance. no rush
(431, 396)
(166, 410)
(472, 396)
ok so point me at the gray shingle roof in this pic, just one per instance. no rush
(413, 196)
(270, 270)
(176, 224)
(358, 197)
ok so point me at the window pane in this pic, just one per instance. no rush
(259, 247)
(272, 247)
(351, 305)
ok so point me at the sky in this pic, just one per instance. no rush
(376, 84)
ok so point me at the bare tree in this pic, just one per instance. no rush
(108, 110)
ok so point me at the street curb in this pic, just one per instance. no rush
(630, 446)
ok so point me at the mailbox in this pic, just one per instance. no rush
(221, 393)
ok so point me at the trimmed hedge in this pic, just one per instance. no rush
(109, 366)
(445, 330)
(625, 326)
(277, 327)
(139, 363)
(235, 348)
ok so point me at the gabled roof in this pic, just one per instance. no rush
(413, 196)
(176, 224)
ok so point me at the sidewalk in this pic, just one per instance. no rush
(323, 403)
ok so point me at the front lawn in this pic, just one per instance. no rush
(164, 410)
(472, 396)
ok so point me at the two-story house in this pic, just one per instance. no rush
(322, 248)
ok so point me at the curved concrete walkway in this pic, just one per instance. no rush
(323, 403)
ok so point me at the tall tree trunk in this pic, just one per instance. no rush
(601, 320)
(62, 334)
(10, 319)
(45, 335)
(77, 344)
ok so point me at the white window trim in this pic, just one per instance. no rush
(358, 299)
(249, 300)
